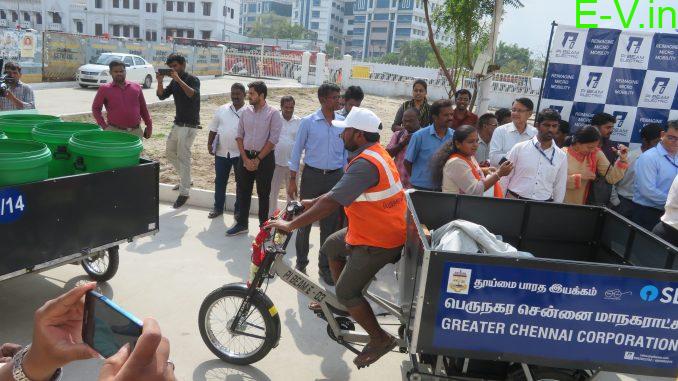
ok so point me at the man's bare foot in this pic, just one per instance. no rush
(374, 350)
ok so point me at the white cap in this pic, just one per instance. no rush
(361, 119)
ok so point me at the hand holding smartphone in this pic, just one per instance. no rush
(106, 327)
(165, 72)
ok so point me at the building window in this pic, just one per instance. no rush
(316, 14)
(27, 16)
(403, 31)
(315, 26)
(378, 30)
(404, 18)
(170, 6)
(98, 29)
(116, 30)
(381, 16)
(206, 34)
(232, 13)
(148, 7)
(116, 3)
(78, 26)
(125, 4)
(191, 7)
(135, 4)
(154, 7)
(15, 16)
(358, 31)
(206, 11)
(316, 3)
(3, 15)
(136, 32)
(98, 4)
(180, 6)
(383, 3)
(56, 18)
(251, 8)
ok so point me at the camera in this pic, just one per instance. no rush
(5, 80)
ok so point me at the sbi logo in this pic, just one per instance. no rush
(650, 293)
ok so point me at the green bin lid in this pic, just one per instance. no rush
(105, 144)
(18, 154)
(60, 132)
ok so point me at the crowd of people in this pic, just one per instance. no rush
(333, 161)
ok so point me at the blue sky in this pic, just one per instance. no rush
(530, 26)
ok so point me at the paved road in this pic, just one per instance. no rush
(168, 275)
(75, 99)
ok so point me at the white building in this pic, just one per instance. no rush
(381, 26)
(150, 20)
(325, 17)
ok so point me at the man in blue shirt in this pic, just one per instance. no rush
(324, 160)
(425, 142)
(655, 170)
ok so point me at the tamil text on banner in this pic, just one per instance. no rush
(630, 75)
(577, 319)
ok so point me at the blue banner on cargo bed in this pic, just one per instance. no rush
(618, 320)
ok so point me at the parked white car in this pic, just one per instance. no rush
(97, 73)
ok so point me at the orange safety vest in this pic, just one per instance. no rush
(498, 192)
(377, 217)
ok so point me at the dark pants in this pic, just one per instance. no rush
(362, 264)
(625, 207)
(222, 169)
(646, 216)
(667, 233)
(315, 184)
(245, 184)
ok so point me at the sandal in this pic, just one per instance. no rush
(371, 354)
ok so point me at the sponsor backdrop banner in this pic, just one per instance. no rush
(631, 75)
(24, 48)
(609, 321)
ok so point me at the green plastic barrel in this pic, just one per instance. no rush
(95, 151)
(23, 161)
(2, 135)
(56, 135)
(20, 126)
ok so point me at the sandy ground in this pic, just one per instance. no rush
(203, 163)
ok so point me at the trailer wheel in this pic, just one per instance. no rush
(102, 266)
(540, 373)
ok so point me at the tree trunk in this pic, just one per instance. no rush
(439, 58)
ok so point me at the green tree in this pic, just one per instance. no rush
(274, 26)
(333, 50)
(467, 22)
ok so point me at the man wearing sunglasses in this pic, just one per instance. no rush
(17, 95)
(655, 170)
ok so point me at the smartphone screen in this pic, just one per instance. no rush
(107, 327)
(165, 71)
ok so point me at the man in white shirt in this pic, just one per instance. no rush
(283, 151)
(622, 192)
(667, 228)
(221, 143)
(508, 135)
(540, 167)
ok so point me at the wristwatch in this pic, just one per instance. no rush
(18, 370)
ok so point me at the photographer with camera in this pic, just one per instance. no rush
(14, 94)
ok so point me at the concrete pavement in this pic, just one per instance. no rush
(60, 101)
(167, 276)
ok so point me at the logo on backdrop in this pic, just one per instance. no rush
(660, 84)
(615, 294)
(649, 293)
(594, 80)
(634, 45)
(557, 108)
(459, 281)
(569, 40)
(621, 117)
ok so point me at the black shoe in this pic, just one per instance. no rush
(326, 277)
(235, 230)
(301, 269)
(181, 200)
(215, 214)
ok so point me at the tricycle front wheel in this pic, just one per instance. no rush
(255, 335)
(103, 265)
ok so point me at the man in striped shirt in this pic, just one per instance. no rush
(18, 96)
